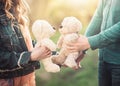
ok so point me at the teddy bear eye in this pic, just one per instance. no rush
(61, 26)
(54, 28)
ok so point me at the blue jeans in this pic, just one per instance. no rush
(109, 74)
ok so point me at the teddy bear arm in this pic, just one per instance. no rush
(71, 37)
(50, 66)
(60, 42)
(38, 44)
(49, 44)
(71, 60)
(60, 58)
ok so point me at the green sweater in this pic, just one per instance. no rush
(103, 31)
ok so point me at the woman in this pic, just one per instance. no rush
(18, 58)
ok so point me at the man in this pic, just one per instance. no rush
(103, 33)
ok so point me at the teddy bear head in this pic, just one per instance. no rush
(42, 29)
(70, 25)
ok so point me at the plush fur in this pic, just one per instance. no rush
(69, 29)
(42, 31)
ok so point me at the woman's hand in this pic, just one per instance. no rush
(39, 53)
(81, 45)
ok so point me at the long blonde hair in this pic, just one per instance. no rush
(19, 11)
(19, 8)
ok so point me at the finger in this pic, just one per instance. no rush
(70, 44)
(80, 58)
(71, 49)
(49, 53)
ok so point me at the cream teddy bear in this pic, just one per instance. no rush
(42, 31)
(69, 30)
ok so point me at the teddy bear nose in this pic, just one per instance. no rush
(61, 26)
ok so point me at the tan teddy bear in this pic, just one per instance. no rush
(42, 31)
(69, 30)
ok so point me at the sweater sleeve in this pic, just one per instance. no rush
(105, 38)
(95, 24)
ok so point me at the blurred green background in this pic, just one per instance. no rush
(54, 11)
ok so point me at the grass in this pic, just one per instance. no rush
(86, 76)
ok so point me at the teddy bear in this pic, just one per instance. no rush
(69, 30)
(42, 32)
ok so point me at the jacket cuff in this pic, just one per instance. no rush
(24, 58)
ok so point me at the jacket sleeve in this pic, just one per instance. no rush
(105, 38)
(9, 60)
(95, 24)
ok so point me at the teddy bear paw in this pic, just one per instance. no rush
(52, 68)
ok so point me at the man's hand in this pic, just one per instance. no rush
(80, 57)
(80, 45)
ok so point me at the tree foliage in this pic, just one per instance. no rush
(55, 10)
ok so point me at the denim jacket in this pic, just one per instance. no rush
(14, 55)
(104, 31)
